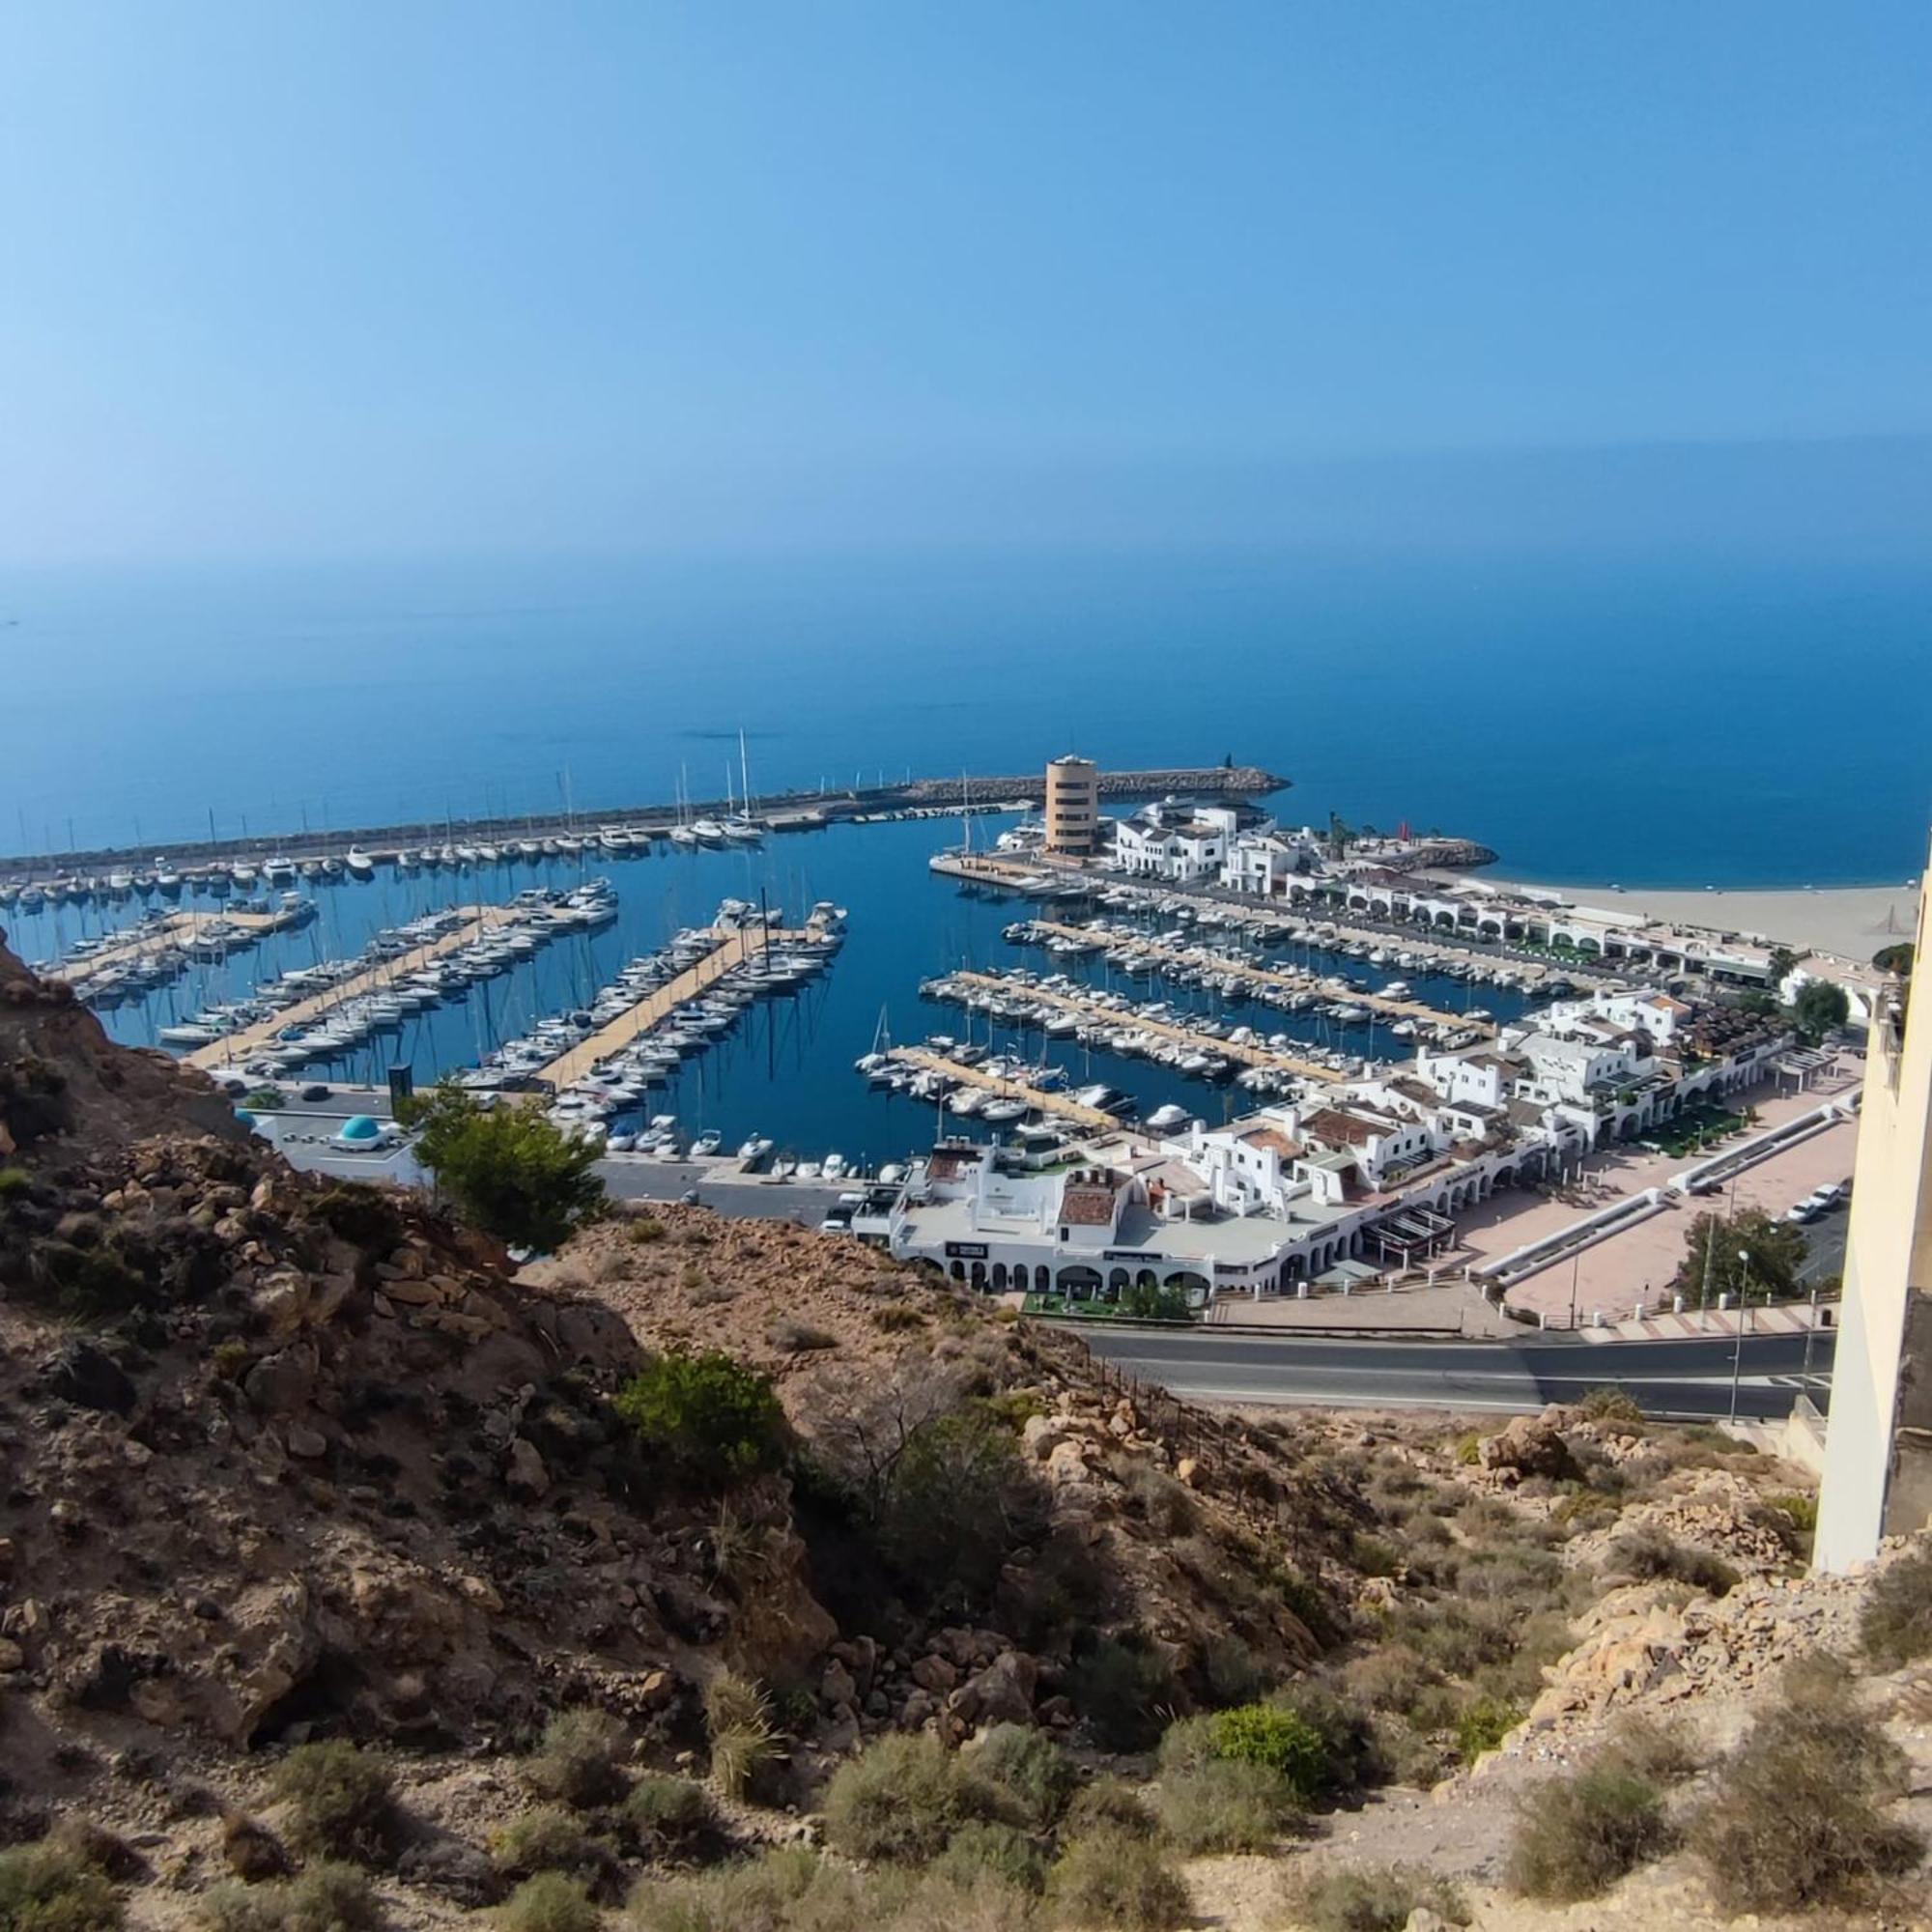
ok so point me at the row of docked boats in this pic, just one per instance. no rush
(1136, 1028)
(120, 968)
(169, 878)
(383, 1000)
(989, 1092)
(1343, 999)
(619, 1082)
(1183, 914)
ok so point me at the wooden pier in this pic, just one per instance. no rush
(1064, 1106)
(236, 1046)
(1248, 1054)
(732, 946)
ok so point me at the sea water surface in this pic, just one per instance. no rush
(1663, 722)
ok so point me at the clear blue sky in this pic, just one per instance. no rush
(336, 279)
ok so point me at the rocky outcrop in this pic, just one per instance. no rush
(1529, 1445)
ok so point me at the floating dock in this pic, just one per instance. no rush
(1206, 958)
(1062, 1105)
(233, 1047)
(177, 929)
(1249, 1055)
(733, 945)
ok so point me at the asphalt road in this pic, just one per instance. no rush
(1675, 1378)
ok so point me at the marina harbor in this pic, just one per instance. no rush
(1239, 1060)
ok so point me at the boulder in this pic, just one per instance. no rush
(837, 1687)
(934, 1673)
(1002, 1693)
(283, 1383)
(1531, 1445)
(526, 1473)
(1042, 1435)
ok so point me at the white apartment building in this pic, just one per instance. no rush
(1175, 840)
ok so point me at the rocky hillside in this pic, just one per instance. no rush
(290, 1461)
(339, 1559)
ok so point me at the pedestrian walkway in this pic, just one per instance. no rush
(1783, 1318)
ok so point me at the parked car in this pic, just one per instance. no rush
(316, 1091)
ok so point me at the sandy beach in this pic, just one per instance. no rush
(1851, 922)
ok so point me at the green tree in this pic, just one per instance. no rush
(1821, 1005)
(1895, 958)
(510, 1170)
(1775, 1250)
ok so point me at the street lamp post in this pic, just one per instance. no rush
(1576, 1269)
(1738, 1346)
(1810, 1329)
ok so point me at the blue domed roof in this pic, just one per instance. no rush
(358, 1127)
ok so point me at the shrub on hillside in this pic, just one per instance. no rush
(738, 1720)
(1576, 1837)
(51, 1886)
(341, 1801)
(1370, 1899)
(1224, 1805)
(1281, 1741)
(1797, 1818)
(327, 1896)
(548, 1902)
(1897, 1624)
(1114, 1879)
(1350, 1756)
(985, 1848)
(1031, 1774)
(663, 1810)
(788, 1886)
(1611, 1403)
(1108, 1804)
(548, 1838)
(1124, 1691)
(1482, 1725)
(1648, 1557)
(715, 1420)
(581, 1759)
(958, 1500)
(902, 1798)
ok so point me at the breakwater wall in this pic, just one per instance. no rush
(794, 810)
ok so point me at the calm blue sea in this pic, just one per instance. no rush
(1665, 723)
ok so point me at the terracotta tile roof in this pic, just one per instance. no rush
(1336, 1123)
(1087, 1205)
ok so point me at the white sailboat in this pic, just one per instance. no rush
(740, 827)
